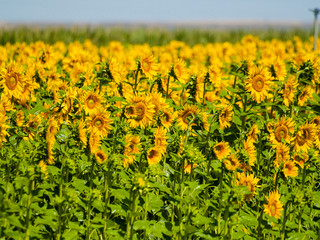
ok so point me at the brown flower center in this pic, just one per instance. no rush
(12, 82)
(281, 132)
(258, 83)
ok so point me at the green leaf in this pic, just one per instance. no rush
(201, 220)
(79, 184)
(70, 234)
(238, 235)
(236, 120)
(141, 224)
(248, 220)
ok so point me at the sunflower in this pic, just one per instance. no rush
(250, 149)
(19, 118)
(140, 111)
(82, 133)
(160, 139)
(148, 65)
(159, 102)
(290, 169)
(153, 156)
(189, 167)
(279, 68)
(221, 150)
(180, 71)
(12, 80)
(32, 125)
(115, 70)
(186, 117)
(100, 122)
(100, 156)
(300, 159)
(274, 206)
(92, 101)
(282, 154)
(305, 95)
(282, 131)
(289, 90)
(167, 117)
(3, 128)
(304, 137)
(43, 167)
(130, 149)
(249, 180)
(259, 83)
(94, 141)
(317, 137)
(252, 135)
(215, 75)
(225, 117)
(231, 162)
(51, 132)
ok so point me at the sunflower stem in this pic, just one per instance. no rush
(167, 91)
(136, 77)
(283, 231)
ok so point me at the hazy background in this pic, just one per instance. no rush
(157, 11)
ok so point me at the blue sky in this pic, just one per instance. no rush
(99, 11)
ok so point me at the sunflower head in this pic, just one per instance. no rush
(222, 150)
(274, 206)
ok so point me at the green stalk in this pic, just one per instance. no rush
(283, 231)
(167, 91)
(30, 188)
(106, 201)
(90, 201)
(136, 78)
(60, 204)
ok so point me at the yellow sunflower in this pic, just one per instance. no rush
(305, 95)
(153, 156)
(100, 156)
(225, 117)
(131, 149)
(100, 122)
(300, 159)
(3, 128)
(180, 71)
(274, 206)
(221, 150)
(250, 149)
(231, 162)
(140, 111)
(249, 180)
(12, 80)
(149, 65)
(282, 131)
(258, 83)
(92, 101)
(304, 137)
(289, 90)
(282, 154)
(279, 68)
(290, 169)
(82, 133)
(167, 117)
(186, 116)
(94, 141)
(160, 139)
(252, 135)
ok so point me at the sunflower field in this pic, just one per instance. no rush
(133, 141)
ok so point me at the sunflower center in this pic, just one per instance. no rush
(258, 83)
(11, 83)
(281, 132)
(273, 209)
(146, 66)
(140, 111)
(91, 103)
(98, 123)
(152, 154)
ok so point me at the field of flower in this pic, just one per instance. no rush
(209, 141)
